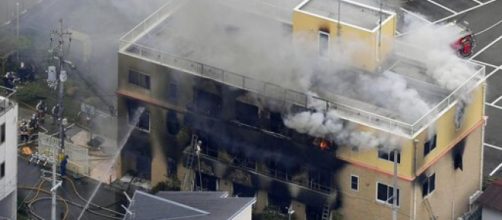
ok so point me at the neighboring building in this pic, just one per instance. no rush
(204, 79)
(189, 205)
(8, 157)
(491, 201)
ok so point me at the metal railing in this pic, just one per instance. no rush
(128, 45)
(6, 102)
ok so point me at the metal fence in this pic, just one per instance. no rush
(78, 161)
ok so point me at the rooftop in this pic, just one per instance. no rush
(255, 53)
(6, 103)
(187, 205)
(348, 12)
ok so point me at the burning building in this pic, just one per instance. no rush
(307, 105)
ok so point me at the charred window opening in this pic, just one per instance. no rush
(278, 203)
(144, 120)
(276, 123)
(205, 182)
(243, 191)
(139, 79)
(458, 154)
(278, 170)
(385, 194)
(173, 124)
(314, 212)
(207, 103)
(172, 92)
(320, 180)
(323, 42)
(428, 185)
(240, 159)
(208, 145)
(389, 155)
(172, 167)
(430, 145)
(247, 114)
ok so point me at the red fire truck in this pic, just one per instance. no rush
(464, 45)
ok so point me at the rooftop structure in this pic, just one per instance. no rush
(348, 12)
(241, 64)
(189, 205)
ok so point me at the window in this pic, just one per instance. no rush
(143, 122)
(384, 194)
(323, 43)
(172, 92)
(458, 153)
(173, 124)
(2, 170)
(389, 155)
(354, 182)
(429, 185)
(246, 113)
(430, 145)
(139, 79)
(2, 133)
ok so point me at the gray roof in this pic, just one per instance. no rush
(187, 205)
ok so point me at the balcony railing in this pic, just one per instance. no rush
(6, 102)
(128, 45)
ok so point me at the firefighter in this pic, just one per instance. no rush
(41, 110)
(33, 124)
(55, 113)
(23, 129)
(63, 164)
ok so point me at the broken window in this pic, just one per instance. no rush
(389, 155)
(458, 153)
(354, 182)
(314, 212)
(242, 160)
(279, 203)
(430, 145)
(144, 120)
(323, 43)
(208, 103)
(173, 124)
(139, 79)
(205, 182)
(320, 180)
(247, 113)
(276, 122)
(385, 194)
(277, 170)
(243, 191)
(428, 185)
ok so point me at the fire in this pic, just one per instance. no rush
(323, 144)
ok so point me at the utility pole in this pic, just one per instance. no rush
(58, 54)
(17, 31)
(395, 197)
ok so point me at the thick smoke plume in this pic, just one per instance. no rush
(256, 45)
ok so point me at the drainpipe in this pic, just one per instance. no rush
(482, 136)
(413, 216)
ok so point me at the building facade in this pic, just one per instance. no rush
(8, 158)
(206, 127)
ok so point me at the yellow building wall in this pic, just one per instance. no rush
(356, 46)
(447, 134)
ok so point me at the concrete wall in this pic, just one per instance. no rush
(490, 214)
(8, 155)
(246, 214)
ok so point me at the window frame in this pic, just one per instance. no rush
(427, 145)
(357, 183)
(323, 52)
(142, 80)
(389, 155)
(146, 111)
(387, 202)
(427, 180)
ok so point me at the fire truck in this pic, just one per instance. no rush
(464, 45)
